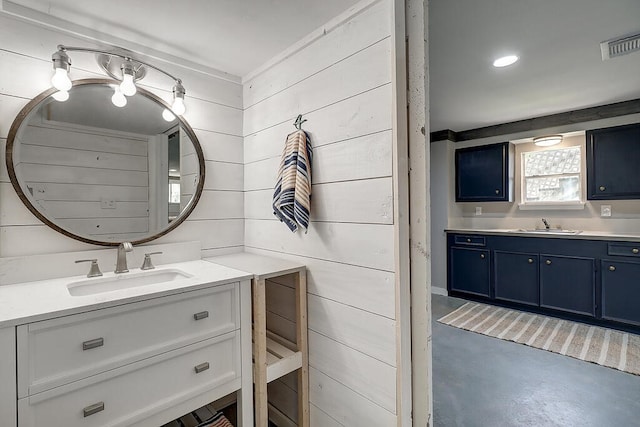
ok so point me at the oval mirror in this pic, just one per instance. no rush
(104, 174)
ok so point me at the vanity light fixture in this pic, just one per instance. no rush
(505, 61)
(547, 141)
(120, 65)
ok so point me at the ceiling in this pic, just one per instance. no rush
(234, 36)
(560, 67)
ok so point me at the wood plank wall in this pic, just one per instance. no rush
(214, 110)
(342, 84)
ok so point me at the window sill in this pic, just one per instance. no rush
(559, 206)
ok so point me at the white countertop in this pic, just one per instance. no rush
(32, 301)
(583, 235)
(261, 266)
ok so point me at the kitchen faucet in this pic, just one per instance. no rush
(546, 224)
(121, 261)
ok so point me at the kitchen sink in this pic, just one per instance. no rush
(125, 281)
(547, 231)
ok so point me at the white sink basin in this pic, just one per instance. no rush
(549, 231)
(125, 281)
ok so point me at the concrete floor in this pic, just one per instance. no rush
(484, 381)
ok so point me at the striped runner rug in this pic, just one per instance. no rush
(606, 347)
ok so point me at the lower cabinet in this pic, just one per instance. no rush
(568, 284)
(620, 291)
(516, 277)
(470, 271)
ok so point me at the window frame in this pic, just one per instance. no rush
(552, 205)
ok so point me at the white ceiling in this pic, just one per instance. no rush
(560, 67)
(234, 36)
(557, 40)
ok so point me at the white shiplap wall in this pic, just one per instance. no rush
(214, 110)
(342, 84)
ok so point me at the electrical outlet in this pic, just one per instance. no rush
(605, 210)
(107, 204)
(478, 210)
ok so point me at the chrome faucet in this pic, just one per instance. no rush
(546, 224)
(121, 262)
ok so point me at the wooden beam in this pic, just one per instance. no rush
(617, 109)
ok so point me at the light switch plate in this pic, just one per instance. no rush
(605, 210)
(478, 210)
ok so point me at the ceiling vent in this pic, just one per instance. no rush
(618, 47)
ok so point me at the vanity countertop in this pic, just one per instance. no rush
(583, 235)
(32, 301)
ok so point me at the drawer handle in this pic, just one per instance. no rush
(201, 367)
(548, 262)
(635, 250)
(612, 268)
(602, 188)
(93, 409)
(482, 256)
(201, 315)
(468, 240)
(88, 345)
(530, 261)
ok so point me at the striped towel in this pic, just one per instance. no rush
(292, 194)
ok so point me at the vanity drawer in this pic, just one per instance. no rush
(625, 249)
(58, 351)
(469, 240)
(128, 395)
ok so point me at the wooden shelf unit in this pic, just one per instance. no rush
(273, 355)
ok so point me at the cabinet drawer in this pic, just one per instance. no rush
(625, 249)
(469, 240)
(58, 351)
(128, 395)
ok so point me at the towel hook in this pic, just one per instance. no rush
(298, 123)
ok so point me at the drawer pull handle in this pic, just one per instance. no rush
(602, 188)
(634, 250)
(202, 367)
(201, 315)
(548, 262)
(468, 240)
(612, 268)
(530, 261)
(88, 345)
(93, 409)
(482, 256)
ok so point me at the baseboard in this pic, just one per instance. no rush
(438, 291)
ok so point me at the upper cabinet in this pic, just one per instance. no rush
(485, 173)
(613, 156)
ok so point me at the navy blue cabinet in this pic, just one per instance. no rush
(613, 156)
(568, 283)
(469, 271)
(516, 277)
(484, 173)
(621, 291)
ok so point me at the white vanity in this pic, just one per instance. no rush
(118, 351)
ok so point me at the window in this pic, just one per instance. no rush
(552, 176)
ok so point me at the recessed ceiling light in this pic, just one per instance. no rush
(505, 61)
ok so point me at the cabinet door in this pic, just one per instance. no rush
(516, 277)
(469, 271)
(620, 291)
(613, 156)
(482, 173)
(567, 284)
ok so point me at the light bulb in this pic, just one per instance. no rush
(178, 106)
(118, 98)
(60, 80)
(505, 61)
(168, 115)
(128, 87)
(61, 95)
